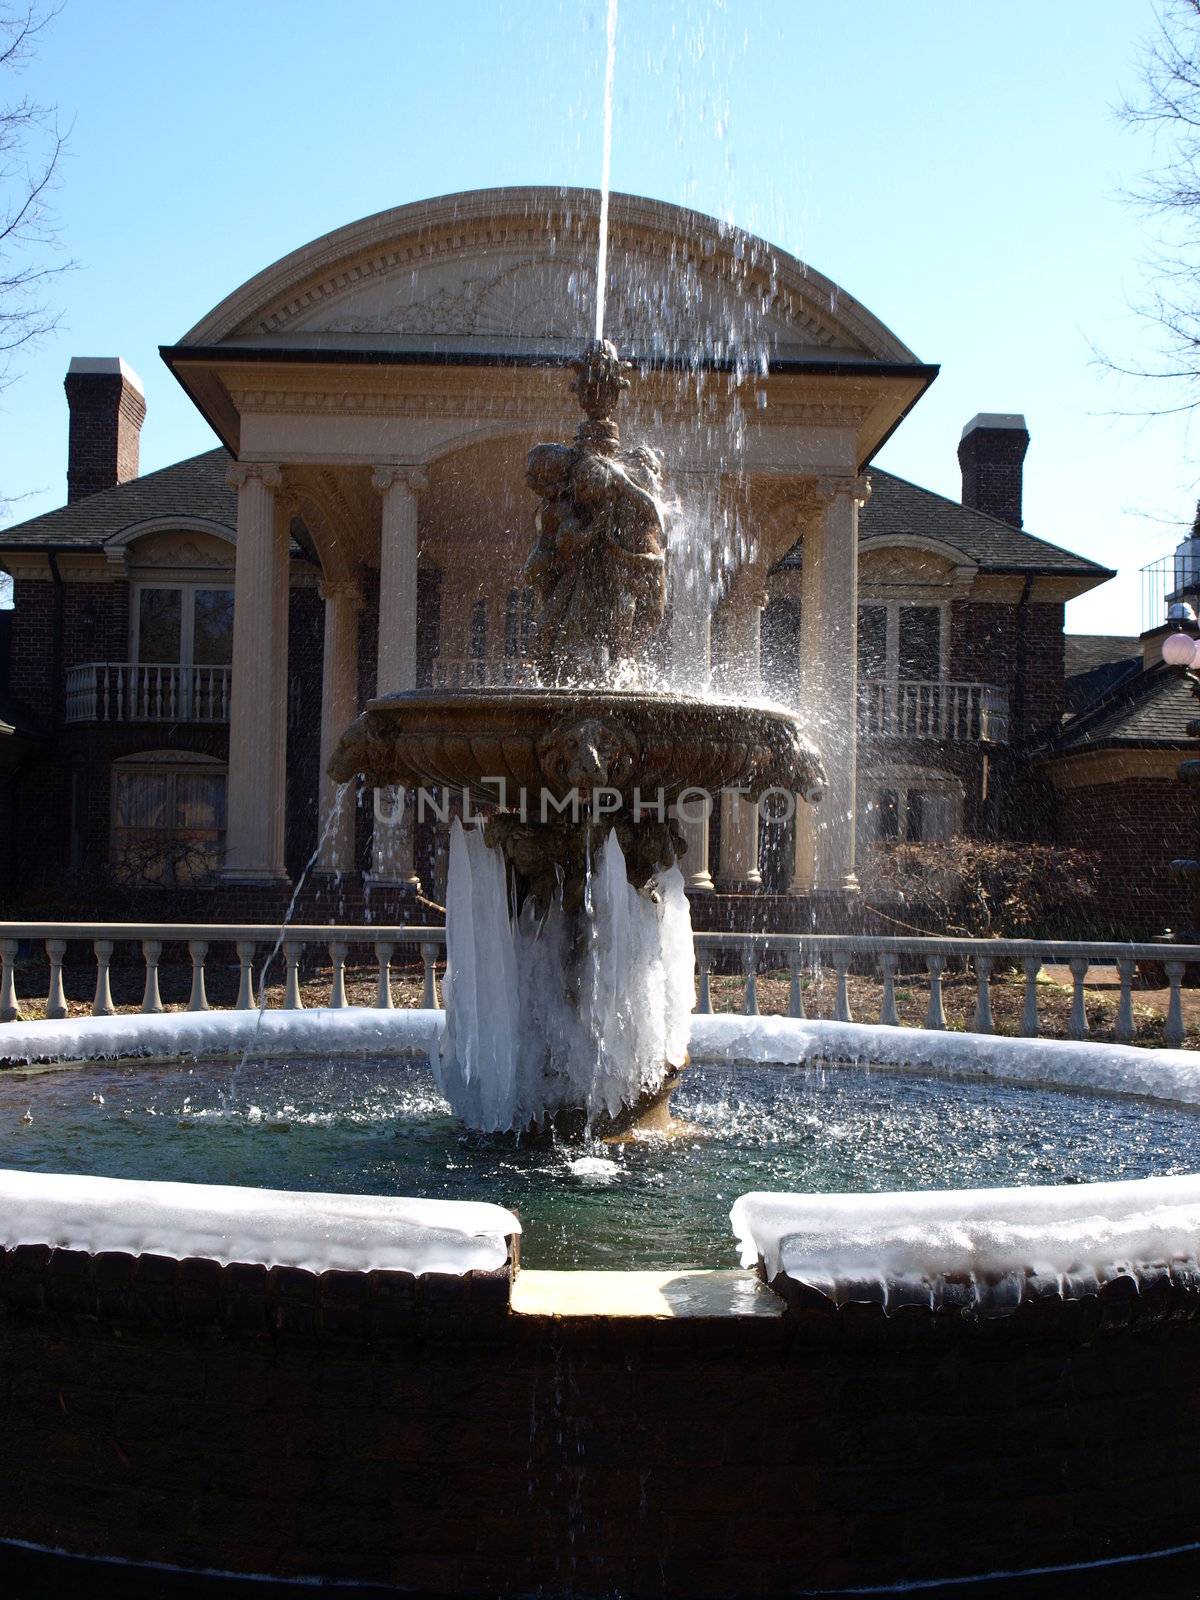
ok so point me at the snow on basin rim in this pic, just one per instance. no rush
(325, 1030)
(1116, 1069)
(924, 1233)
(1172, 1075)
(274, 1227)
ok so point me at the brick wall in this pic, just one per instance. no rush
(359, 1427)
(986, 647)
(1137, 827)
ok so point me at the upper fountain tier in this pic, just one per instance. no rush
(598, 568)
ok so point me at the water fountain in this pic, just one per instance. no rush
(568, 932)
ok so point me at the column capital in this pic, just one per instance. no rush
(413, 477)
(240, 472)
(856, 485)
(340, 589)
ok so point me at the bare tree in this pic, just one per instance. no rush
(1168, 107)
(31, 149)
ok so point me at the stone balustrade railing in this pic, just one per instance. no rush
(750, 955)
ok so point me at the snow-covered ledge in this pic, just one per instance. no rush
(268, 1227)
(1170, 1075)
(967, 1249)
(326, 1031)
(1116, 1069)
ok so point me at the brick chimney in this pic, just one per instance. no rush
(107, 408)
(991, 453)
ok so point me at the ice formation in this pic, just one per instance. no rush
(358, 1233)
(546, 1012)
(814, 1238)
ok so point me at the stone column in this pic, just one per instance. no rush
(811, 697)
(399, 486)
(739, 674)
(339, 707)
(256, 798)
(837, 590)
(697, 876)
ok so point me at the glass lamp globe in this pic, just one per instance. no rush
(1178, 649)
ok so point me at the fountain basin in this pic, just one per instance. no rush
(589, 1435)
(559, 740)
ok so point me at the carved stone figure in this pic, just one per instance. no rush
(598, 566)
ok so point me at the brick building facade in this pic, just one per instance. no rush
(133, 769)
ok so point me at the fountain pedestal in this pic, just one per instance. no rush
(567, 926)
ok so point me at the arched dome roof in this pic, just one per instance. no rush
(512, 272)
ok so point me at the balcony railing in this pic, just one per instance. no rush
(131, 691)
(918, 709)
(477, 672)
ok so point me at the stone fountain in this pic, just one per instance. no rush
(570, 961)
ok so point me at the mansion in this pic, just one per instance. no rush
(186, 647)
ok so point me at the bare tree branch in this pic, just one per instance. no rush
(31, 154)
(1168, 105)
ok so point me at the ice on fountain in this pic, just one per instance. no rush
(535, 1024)
(274, 1227)
(922, 1234)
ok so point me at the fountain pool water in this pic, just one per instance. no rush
(379, 1126)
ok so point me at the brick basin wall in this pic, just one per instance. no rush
(419, 1433)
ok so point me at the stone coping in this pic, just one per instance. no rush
(669, 1295)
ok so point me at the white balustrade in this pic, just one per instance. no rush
(756, 957)
(909, 708)
(478, 672)
(130, 691)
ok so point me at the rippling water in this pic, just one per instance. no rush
(381, 1127)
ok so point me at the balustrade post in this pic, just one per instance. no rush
(384, 951)
(10, 1006)
(983, 994)
(935, 1011)
(1030, 1026)
(889, 1017)
(750, 987)
(1077, 1024)
(56, 999)
(1174, 1033)
(841, 1005)
(429, 994)
(245, 998)
(292, 998)
(1123, 1033)
(102, 1001)
(704, 997)
(198, 999)
(337, 989)
(151, 999)
(796, 988)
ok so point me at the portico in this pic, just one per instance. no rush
(379, 390)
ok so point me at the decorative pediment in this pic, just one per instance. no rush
(514, 270)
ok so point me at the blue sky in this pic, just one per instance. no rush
(955, 167)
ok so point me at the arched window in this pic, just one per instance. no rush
(168, 818)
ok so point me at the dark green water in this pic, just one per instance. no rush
(380, 1127)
